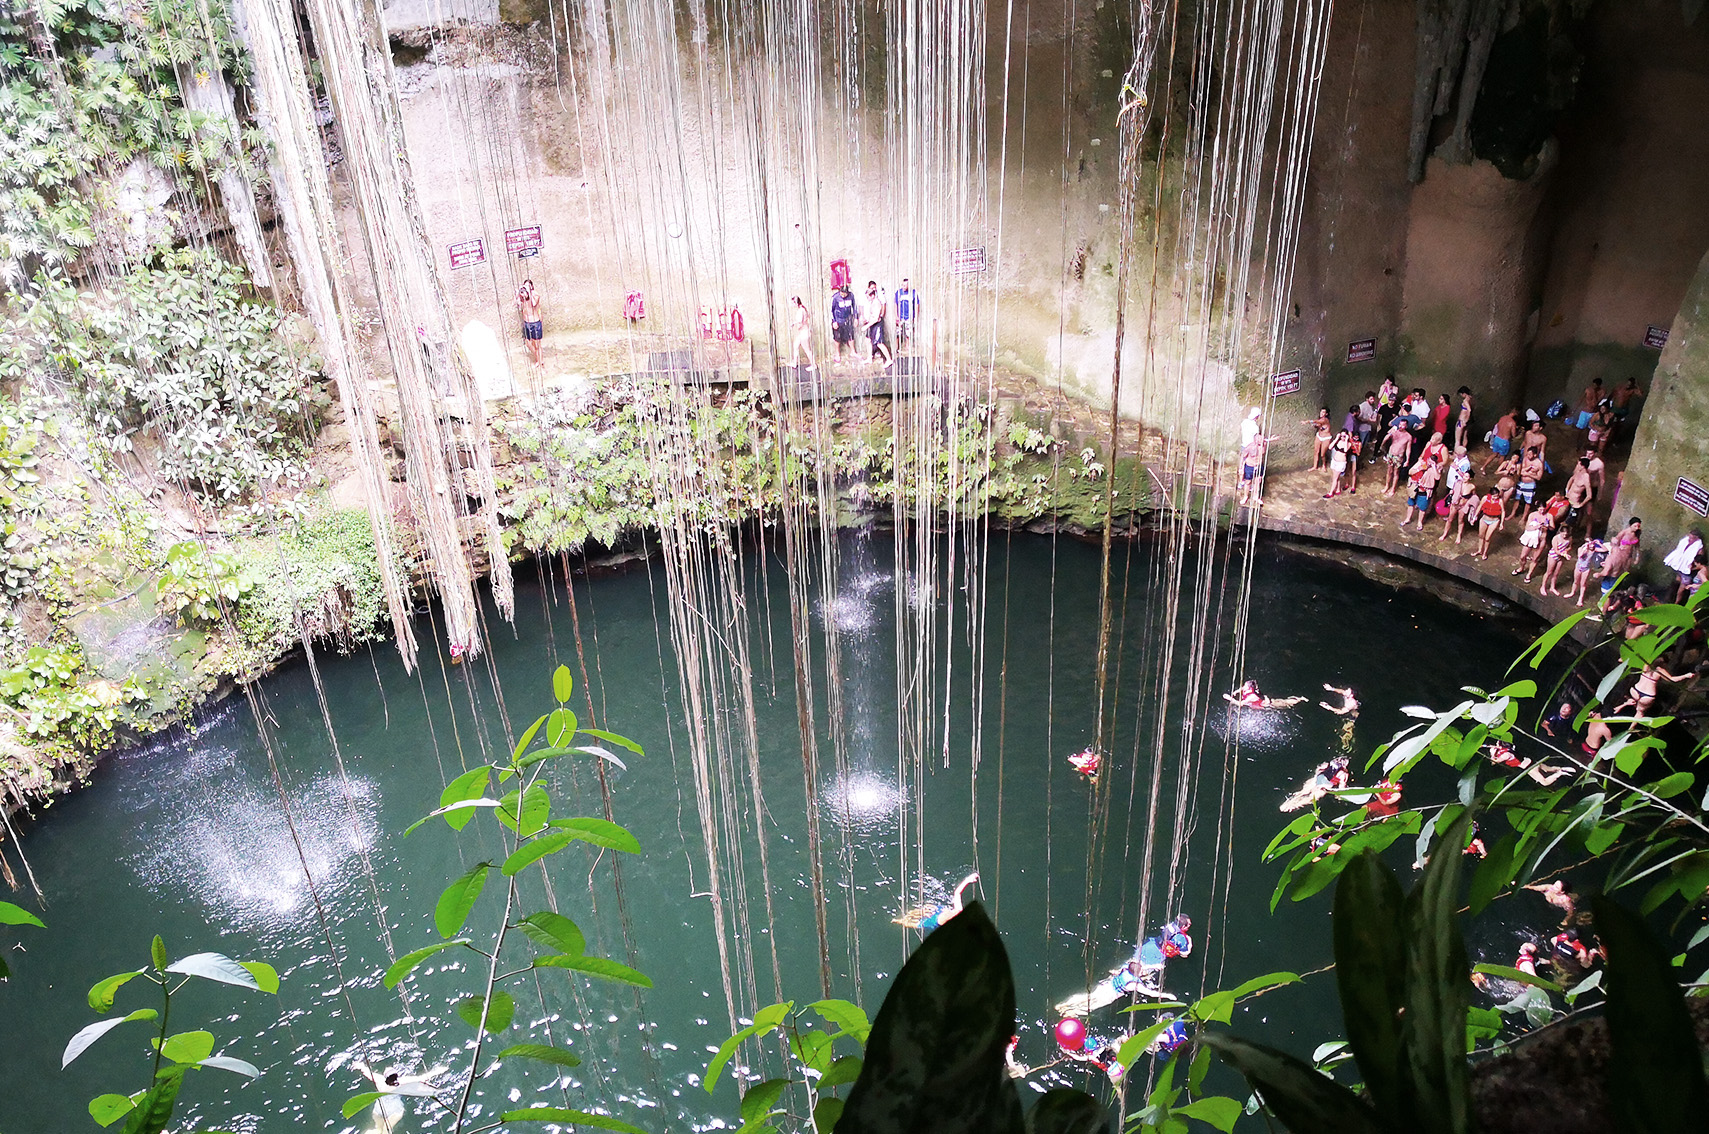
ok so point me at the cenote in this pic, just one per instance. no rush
(187, 837)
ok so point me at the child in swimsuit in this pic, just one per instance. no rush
(1560, 550)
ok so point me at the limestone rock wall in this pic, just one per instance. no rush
(1672, 439)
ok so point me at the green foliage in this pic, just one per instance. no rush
(531, 835)
(84, 88)
(201, 586)
(324, 572)
(59, 706)
(15, 915)
(149, 1110)
(20, 435)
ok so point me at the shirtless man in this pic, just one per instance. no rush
(1501, 438)
(1559, 894)
(1622, 398)
(533, 330)
(1596, 734)
(802, 320)
(1535, 438)
(1530, 474)
(1397, 451)
(1349, 706)
(1578, 492)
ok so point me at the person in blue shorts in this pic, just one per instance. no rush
(533, 330)
(907, 310)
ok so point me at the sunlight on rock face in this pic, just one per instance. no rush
(230, 845)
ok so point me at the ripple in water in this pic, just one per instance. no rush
(230, 845)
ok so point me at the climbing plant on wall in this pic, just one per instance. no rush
(178, 349)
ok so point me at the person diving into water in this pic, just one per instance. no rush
(1140, 975)
(929, 916)
(1248, 697)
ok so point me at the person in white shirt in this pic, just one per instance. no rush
(1682, 560)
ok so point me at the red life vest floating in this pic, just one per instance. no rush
(724, 325)
(840, 274)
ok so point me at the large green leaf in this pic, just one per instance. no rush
(935, 1058)
(237, 1066)
(1218, 1007)
(101, 994)
(471, 785)
(526, 738)
(561, 727)
(1655, 1068)
(555, 932)
(493, 1012)
(846, 1016)
(266, 976)
(533, 851)
(564, 1115)
(1433, 1027)
(215, 967)
(154, 1110)
(828, 1115)
(613, 738)
(18, 915)
(766, 1020)
(562, 684)
(359, 1102)
(1551, 638)
(1217, 1111)
(1297, 1093)
(600, 967)
(540, 1053)
(188, 1047)
(453, 907)
(406, 964)
(1370, 974)
(599, 832)
(843, 1070)
(108, 1109)
(760, 1100)
(85, 1037)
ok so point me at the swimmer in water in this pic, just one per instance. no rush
(387, 1114)
(1349, 706)
(1087, 762)
(1332, 775)
(1502, 754)
(1559, 894)
(1248, 697)
(928, 917)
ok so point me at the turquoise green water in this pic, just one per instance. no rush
(187, 837)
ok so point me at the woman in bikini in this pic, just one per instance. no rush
(1560, 550)
(1624, 554)
(1504, 756)
(1489, 519)
(1506, 482)
(1339, 458)
(1463, 421)
(1320, 448)
(1601, 426)
(1646, 686)
(1531, 542)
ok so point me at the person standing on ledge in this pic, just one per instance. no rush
(802, 320)
(843, 320)
(907, 310)
(873, 317)
(533, 330)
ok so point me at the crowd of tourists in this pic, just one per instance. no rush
(1549, 499)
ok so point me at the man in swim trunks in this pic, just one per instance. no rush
(1501, 437)
(1530, 473)
(1349, 706)
(533, 330)
(1622, 399)
(1397, 451)
(907, 310)
(1596, 734)
(874, 316)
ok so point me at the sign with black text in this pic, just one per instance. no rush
(523, 242)
(1287, 382)
(1692, 495)
(1361, 350)
(1655, 337)
(967, 261)
(467, 253)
